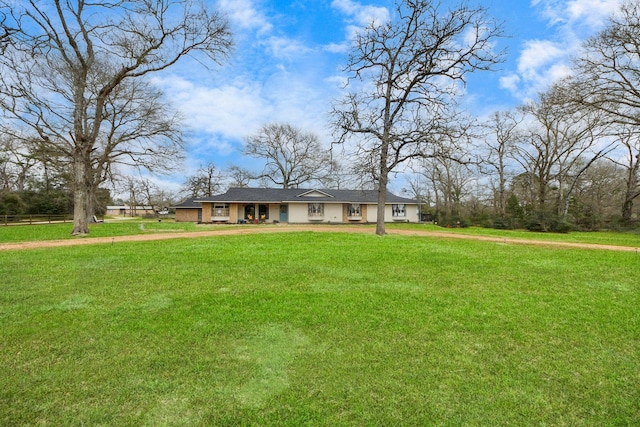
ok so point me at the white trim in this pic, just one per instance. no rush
(321, 194)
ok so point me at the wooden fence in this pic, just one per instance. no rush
(33, 219)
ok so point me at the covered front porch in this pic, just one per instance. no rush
(242, 213)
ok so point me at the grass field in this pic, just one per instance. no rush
(25, 233)
(120, 227)
(319, 329)
(631, 238)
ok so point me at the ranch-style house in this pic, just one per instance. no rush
(295, 205)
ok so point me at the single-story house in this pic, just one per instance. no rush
(294, 205)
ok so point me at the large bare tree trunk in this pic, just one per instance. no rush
(630, 194)
(384, 165)
(81, 197)
(627, 209)
(502, 193)
(382, 201)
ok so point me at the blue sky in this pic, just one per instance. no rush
(286, 67)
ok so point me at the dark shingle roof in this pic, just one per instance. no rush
(300, 195)
(188, 204)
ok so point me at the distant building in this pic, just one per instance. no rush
(127, 211)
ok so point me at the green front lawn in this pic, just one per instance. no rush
(111, 228)
(119, 227)
(319, 329)
(631, 238)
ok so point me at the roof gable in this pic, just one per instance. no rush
(315, 193)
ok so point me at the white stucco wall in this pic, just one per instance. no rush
(410, 210)
(411, 214)
(274, 212)
(299, 213)
(372, 212)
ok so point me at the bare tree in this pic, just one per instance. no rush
(6, 166)
(292, 157)
(6, 30)
(239, 176)
(629, 141)
(418, 189)
(16, 164)
(133, 186)
(75, 78)
(609, 75)
(452, 181)
(410, 69)
(206, 182)
(423, 184)
(152, 194)
(560, 144)
(503, 127)
(147, 191)
(339, 176)
(601, 191)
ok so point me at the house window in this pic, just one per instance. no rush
(249, 212)
(221, 209)
(316, 210)
(263, 212)
(353, 210)
(398, 211)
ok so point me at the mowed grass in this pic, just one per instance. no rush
(319, 329)
(137, 226)
(629, 238)
(62, 231)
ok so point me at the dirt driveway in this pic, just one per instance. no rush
(291, 228)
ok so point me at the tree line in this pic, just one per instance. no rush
(76, 102)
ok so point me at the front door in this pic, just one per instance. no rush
(284, 213)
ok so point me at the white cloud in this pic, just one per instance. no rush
(589, 14)
(543, 62)
(243, 14)
(557, 72)
(510, 82)
(336, 48)
(362, 14)
(221, 117)
(286, 48)
(248, 18)
(537, 54)
(229, 110)
(276, 78)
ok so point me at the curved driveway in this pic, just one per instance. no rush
(291, 228)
